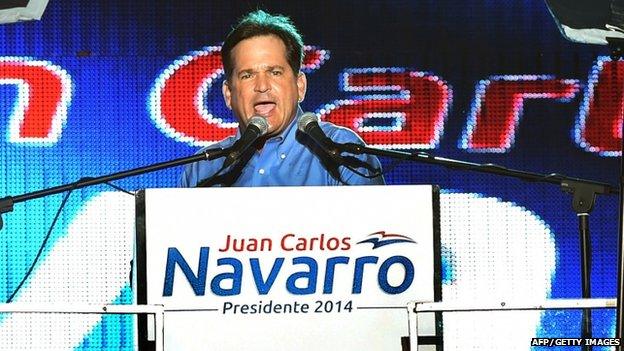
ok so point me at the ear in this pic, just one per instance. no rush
(227, 94)
(302, 85)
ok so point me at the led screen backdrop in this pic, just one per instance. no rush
(101, 86)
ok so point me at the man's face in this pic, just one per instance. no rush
(263, 83)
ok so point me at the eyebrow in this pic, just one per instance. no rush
(267, 68)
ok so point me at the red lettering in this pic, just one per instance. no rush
(412, 117)
(599, 125)
(497, 108)
(44, 93)
(332, 244)
(283, 242)
(346, 243)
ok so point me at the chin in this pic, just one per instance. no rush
(275, 126)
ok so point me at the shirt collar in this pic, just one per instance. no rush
(290, 130)
(287, 133)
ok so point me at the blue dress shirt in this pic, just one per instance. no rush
(290, 158)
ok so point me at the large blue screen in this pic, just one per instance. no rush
(97, 87)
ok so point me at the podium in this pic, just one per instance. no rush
(288, 268)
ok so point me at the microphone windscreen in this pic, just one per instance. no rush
(305, 120)
(260, 123)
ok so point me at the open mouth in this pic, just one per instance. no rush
(264, 108)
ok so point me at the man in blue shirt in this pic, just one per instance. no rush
(262, 57)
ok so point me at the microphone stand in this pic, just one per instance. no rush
(584, 195)
(6, 203)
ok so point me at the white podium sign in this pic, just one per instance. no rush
(288, 268)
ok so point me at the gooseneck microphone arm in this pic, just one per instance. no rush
(308, 124)
(256, 128)
(6, 203)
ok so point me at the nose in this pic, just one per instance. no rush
(262, 84)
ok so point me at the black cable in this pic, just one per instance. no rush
(364, 175)
(41, 248)
(206, 182)
(374, 174)
(116, 187)
(49, 233)
(352, 164)
(228, 174)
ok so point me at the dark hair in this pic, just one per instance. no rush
(259, 23)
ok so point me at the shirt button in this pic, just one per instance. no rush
(261, 171)
(283, 156)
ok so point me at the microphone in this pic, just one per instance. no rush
(257, 127)
(308, 124)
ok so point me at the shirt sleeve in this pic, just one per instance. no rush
(198, 171)
(188, 178)
(361, 175)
